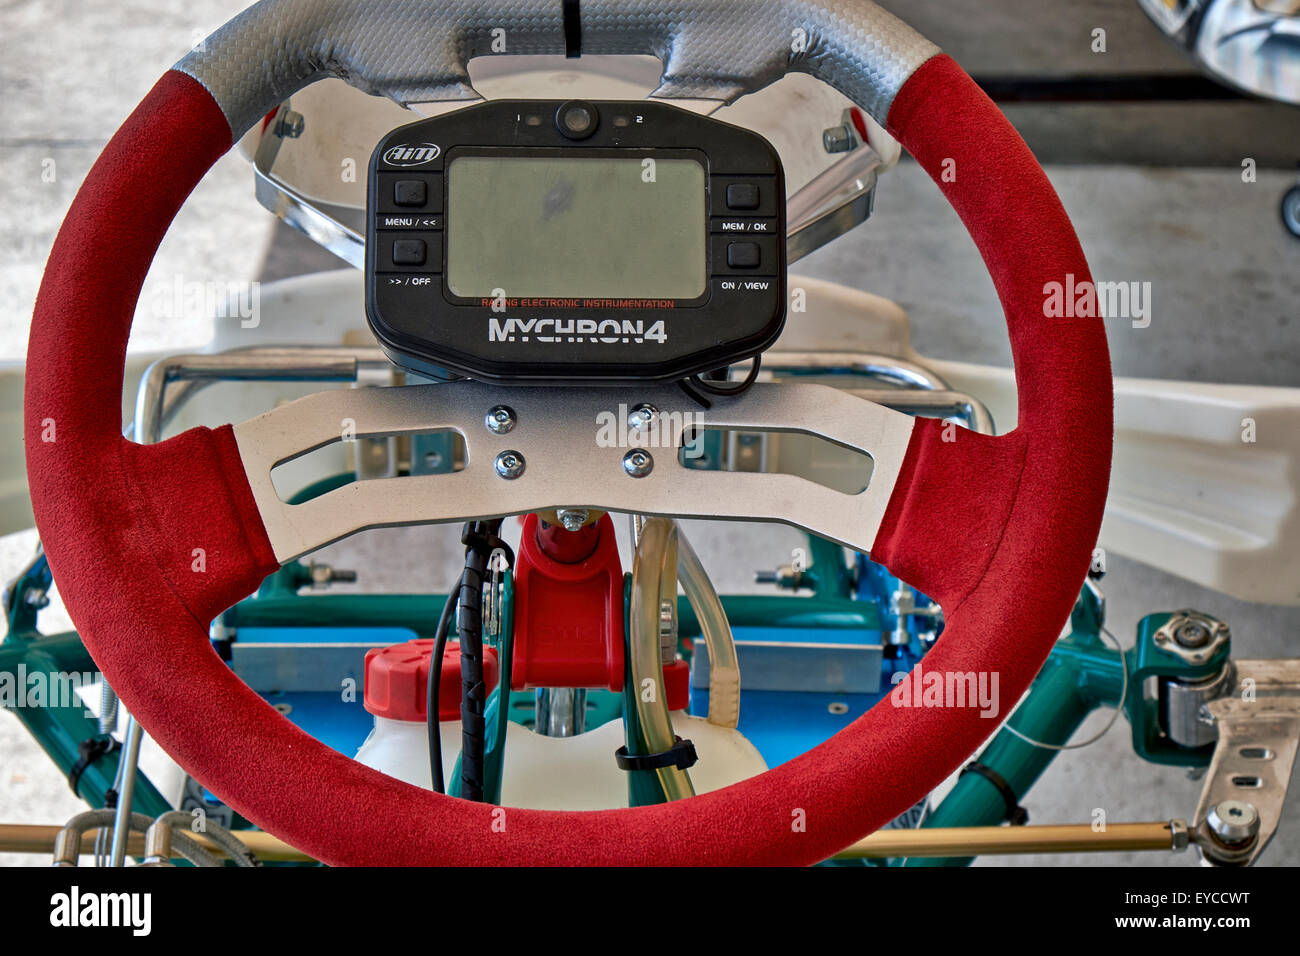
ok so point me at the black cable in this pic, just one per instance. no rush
(435, 683)
(480, 538)
(730, 388)
(572, 29)
(695, 386)
(473, 695)
(695, 394)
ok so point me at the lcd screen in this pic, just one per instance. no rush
(576, 226)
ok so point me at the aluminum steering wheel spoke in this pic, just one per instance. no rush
(571, 448)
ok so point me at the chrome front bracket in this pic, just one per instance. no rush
(1258, 727)
(571, 448)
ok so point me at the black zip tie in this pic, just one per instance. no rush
(89, 750)
(682, 756)
(1016, 815)
(484, 542)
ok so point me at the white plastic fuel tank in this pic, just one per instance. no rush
(541, 772)
(560, 773)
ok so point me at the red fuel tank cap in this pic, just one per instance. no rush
(397, 680)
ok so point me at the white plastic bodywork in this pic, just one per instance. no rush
(1205, 482)
(1205, 479)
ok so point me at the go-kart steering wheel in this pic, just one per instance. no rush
(149, 543)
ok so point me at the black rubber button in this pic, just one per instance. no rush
(742, 196)
(410, 192)
(743, 255)
(409, 252)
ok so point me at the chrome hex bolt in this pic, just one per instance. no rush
(638, 463)
(509, 464)
(500, 420)
(572, 518)
(1234, 822)
(838, 139)
(641, 417)
(290, 125)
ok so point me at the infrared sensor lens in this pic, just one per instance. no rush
(576, 119)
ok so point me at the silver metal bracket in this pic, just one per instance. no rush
(838, 200)
(336, 228)
(570, 448)
(1258, 725)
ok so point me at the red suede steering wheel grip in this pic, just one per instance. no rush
(149, 543)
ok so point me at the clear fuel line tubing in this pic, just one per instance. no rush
(724, 666)
(654, 585)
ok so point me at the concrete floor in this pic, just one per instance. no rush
(1226, 282)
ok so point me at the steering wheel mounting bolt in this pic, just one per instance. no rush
(842, 138)
(509, 465)
(500, 420)
(638, 463)
(290, 125)
(642, 417)
(837, 139)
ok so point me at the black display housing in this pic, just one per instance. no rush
(427, 329)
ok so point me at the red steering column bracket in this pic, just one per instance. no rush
(568, 613)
